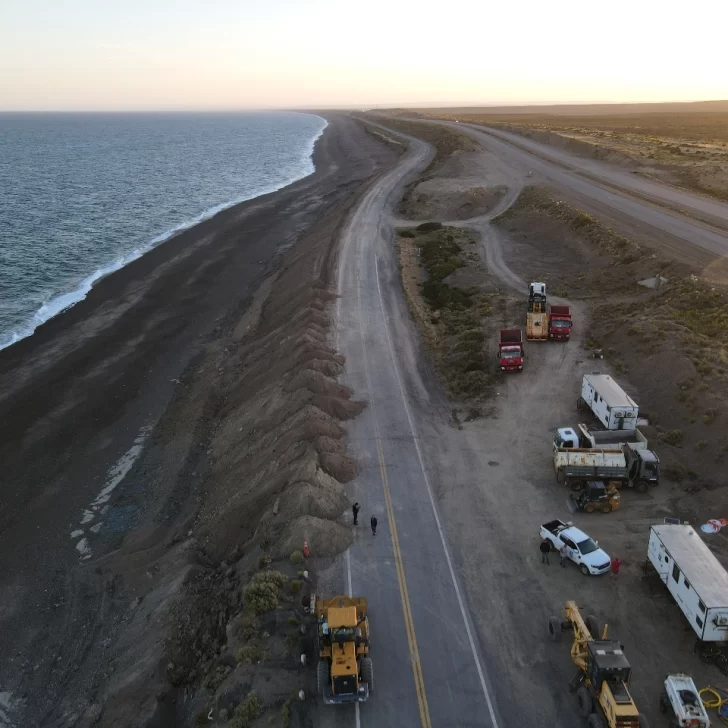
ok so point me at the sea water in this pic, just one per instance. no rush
(82, 195)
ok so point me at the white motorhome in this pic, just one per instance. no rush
(613, 407)
(694, 577)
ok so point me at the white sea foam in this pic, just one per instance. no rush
(58, 304)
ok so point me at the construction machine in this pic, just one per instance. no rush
(602, 679)
(344, 673)
(595, 496)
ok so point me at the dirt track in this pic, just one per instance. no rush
(600, 189)
(489, 485)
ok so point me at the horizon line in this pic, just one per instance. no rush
(356, 107)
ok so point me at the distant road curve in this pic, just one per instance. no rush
(621, 193)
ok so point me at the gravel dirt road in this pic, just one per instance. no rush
(603, 189)
(459, 599)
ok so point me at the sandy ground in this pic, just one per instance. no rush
(112, 451)
(455, 576)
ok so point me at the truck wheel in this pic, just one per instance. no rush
(595, 721)
(641, 486)
(560, 476)
(322, 676)
(606, 508)
(584, 698)
(585, 569)
(555, 628)
(593, 626)
(367, 672)
(589, 508)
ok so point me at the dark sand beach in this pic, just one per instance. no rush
(135, 368)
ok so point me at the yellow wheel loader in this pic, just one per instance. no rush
(602, 680)
(344, 673)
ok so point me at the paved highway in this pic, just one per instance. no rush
(428, 667)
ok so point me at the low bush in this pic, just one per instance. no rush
(261, 594)
(214, 679)
(250, 654)
(673, 437)
(427, 227)
(247, 712)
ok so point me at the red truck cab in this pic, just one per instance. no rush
(510, 350)
(560, 322)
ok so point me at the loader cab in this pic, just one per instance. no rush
(607, 663)
(344, 637)
(537, 292)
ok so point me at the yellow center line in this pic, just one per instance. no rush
(404, 595)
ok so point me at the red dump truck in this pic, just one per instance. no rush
(510, 350)
(560, 322)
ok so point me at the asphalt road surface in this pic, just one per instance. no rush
(427, 661)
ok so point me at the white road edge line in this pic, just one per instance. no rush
(461, 603)
(350, 592)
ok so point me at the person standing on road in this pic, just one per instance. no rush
(545, 547)
(615, 566)
(562, 556)
(374, 525)
(355, 510)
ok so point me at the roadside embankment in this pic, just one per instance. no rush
(213, 347)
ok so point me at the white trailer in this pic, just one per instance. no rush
(694, 577)
(613, 407)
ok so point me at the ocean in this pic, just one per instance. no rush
(82, 195)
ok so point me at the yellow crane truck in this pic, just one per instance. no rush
(602, 680)
(344, 673)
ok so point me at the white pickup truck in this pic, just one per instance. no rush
(581, 549)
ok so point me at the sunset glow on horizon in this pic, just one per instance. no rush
(165, 55)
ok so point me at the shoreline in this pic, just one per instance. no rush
(154, 349)
(66, 300)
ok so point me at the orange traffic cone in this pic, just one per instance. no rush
(306, 551)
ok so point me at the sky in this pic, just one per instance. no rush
(79, 55)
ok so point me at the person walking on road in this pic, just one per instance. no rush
(374, 525)
(562, 556)
(355, 510)
(545, 547)
(615, 566)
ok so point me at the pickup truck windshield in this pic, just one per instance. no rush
(510, 354)
(560, 324)
(587, 546)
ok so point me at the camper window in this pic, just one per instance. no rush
(687, 583)
(675, 573)
(699, 622)
(702, 607)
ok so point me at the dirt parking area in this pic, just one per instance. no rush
(666, 347)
